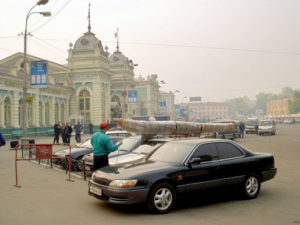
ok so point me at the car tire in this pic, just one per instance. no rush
(251, 186)
(162, 198)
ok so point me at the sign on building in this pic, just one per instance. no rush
(132, 97)
(195, 99)
(39, 74)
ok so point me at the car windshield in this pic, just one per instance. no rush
(174, 152)
(251, 123)
(146, 149)
(266, 123)
(129, 144)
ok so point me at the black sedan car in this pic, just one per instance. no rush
(180, 166)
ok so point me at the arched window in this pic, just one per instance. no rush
(21, 112)
(56, 112)
(7, 112)
(84, 105)
(47, 114)
(62, 113)
(41, 113)
(29, 112)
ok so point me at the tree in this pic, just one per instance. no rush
(287, 92)
(262, 100)
(294, 105)
(239, 105)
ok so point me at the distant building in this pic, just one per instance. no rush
(206, 111)
(94, 86)
(279, 107)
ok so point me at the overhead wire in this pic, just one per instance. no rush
(52, 17)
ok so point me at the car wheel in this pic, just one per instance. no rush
(162, 198)
(251, 186)
(79, 164)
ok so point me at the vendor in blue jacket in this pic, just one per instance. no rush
(102, 147)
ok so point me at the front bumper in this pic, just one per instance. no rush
(115, 195)
(269, 174)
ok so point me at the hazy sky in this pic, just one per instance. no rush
(216, 49)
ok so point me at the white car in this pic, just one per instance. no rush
(267, 127)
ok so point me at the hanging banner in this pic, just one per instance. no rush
(39, 74)
(132, 97)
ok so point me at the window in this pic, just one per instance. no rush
(227, 151)
(29, 113)
(84, 105)
(7, 112)
(207, 152)
(62, 112)
(41, 113)
(47, 114)
(56, 112)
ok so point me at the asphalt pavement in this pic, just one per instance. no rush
(46, 197)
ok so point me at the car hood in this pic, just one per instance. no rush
(128, 171)
(125, 158)
(75, 152)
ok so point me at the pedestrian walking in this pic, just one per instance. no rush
(78, 129)
(57, 131)
(68, 132)
(2, 140)
(242, 130)
(91, 127)
(102, 147)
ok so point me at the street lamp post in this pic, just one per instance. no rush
(40, 2)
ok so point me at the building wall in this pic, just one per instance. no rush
(278, 107)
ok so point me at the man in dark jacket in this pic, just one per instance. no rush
(57, 131)
(68, 131)
(102, 147)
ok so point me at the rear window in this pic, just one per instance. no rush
(228, 150)
(251, 123)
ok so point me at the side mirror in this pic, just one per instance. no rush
(194, 160)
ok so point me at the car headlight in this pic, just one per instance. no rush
(123, 183)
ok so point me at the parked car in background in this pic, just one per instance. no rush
(251, 125)
(180, 166)
(78, 152)
(129, 144)
(267, 127)
(289, 121)
(119, 133)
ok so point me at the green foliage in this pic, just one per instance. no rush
(294, 105)
(239, 105)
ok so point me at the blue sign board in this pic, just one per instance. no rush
(163, 106)
(132, 97)
(39, 74)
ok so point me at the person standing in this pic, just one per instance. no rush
(68, 132)
(91, 127)
(102, 147)
(242, 130)
(2, 140)
(78, 129)
(57, 131)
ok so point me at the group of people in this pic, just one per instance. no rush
(64, 130)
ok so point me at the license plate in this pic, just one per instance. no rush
(96, 190)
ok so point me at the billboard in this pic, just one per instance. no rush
(39, 74)
(195, 99)
(132, 97)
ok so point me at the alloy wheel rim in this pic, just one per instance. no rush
(163, 198)
(252, 186)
